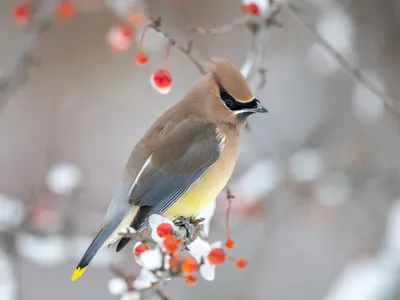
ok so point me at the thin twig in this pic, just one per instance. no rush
(263, 75)
(20, 56)
(259, 29)
(156, 25)
(229, 198)
(161, 295)
(346, 64)
(221, 29)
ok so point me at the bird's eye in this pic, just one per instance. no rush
(229, 103)
(227, 98)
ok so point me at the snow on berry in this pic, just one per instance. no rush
(120, 37)
(200, 250)
(139, 248)
(155, 221)
(161, 81)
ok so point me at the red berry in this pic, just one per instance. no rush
(191, 279)
(142, 58)
(190, 265)
(216, 256)
(171, 244)
(66, 10)
(141, 248)
(162, 79)
(230, 244)
(127, 31)
(21, 13)
(251, 9)
(164, 229)
(241, 263)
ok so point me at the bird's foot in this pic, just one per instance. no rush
(189, 230)
(186, 225)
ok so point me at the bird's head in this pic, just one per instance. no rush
(233, 98)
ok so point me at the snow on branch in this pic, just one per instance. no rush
(178, 249)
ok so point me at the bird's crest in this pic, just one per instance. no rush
(230, 78)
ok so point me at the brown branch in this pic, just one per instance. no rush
(187, 51)
(346, 64)
(20, 56)
(263, 75)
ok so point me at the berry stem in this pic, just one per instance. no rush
(142, 38)
(229, 197)
(167, 56)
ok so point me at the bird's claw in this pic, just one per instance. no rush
(186, 223)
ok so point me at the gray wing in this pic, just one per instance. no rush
(177, 162)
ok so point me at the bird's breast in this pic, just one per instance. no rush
(207, 188)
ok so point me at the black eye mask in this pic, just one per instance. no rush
(234, 105)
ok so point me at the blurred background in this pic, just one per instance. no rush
(317, 200)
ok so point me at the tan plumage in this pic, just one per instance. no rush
(185, 159)
(228, 76)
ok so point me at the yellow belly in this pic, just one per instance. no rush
(200, 195)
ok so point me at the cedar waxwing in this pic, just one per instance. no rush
(184, 160)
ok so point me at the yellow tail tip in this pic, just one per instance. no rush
(78, 273)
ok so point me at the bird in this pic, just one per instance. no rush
(185, 158)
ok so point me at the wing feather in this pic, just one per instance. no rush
(177, 162)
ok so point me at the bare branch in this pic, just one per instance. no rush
(263, 75)
(259, 29)
(221, 29)
(156, 25)
(161, 295)
(346, 65)
(13, 70)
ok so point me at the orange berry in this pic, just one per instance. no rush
(141, 248)
(190, 265)
(164, 229)
(142, 58)
(241, 263)
(66, 10)
(21, 13)
(191, 279)
(230, 244)
(217, 256)
(137, 18)
(174, 262)
(162, 79)
(171, 244)
(251, 9)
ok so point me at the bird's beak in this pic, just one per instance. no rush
(260, 108)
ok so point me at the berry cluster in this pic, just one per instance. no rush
(120, 37)
(163, 256)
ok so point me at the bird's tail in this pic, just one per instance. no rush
(101, 237)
